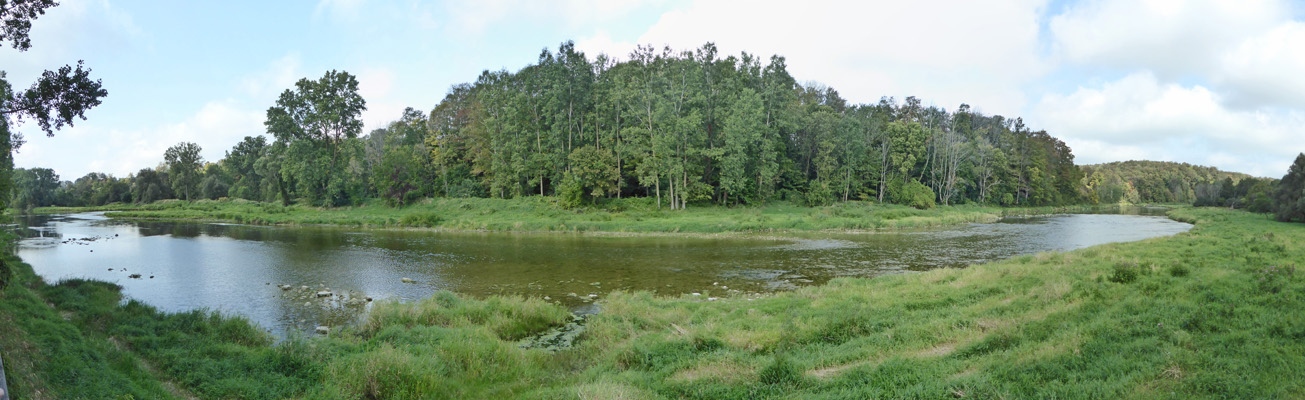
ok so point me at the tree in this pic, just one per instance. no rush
(56, 99)
(316, 121)
(593, 175)
(1291, 192)
(241, 163)
(149, 186)
(184, 163)
(34, 187)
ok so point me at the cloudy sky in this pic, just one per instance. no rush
(1217, 83)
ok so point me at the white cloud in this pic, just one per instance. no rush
(973, 52)
(1138, 117)
(376, 86)
(215, 127)
(69, 32)
(1170, 37)
(602, 43)
(475, 17)
(1268, 69)
(280, 75)
(340, 10)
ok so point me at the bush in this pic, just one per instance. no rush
(1178, 270)
(5, 275)
(421, 219)
(819, 195)
(1126, 272)
(913, 194)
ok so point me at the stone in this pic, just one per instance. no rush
(286, 287)
(697, 294)
(547, 298)
(407, 280)
(591, 295)
(308, 304)
(324, 293)
(324, 330)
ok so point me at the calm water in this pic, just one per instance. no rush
(237, 268)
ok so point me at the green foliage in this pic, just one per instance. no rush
(913, 194)
(1127, 272)
(1291, 192)
(184, 163)
(318, 125)
(592, 176)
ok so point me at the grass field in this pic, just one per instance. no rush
(542, 214)
(1212, 313)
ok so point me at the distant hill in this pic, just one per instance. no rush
(1150, 181)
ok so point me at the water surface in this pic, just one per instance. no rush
(237, 268)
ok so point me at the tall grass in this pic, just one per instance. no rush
(544, 214)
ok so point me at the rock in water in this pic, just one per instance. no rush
(324, 330)
(324, 293)
(408, 280)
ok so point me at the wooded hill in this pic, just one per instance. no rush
(1150, 181)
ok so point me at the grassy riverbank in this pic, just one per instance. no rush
(540, 214)
(1212, 313)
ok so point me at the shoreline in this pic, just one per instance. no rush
(1003, 328)
(528, 216)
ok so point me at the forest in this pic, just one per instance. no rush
(683, 128)
(1141, 182)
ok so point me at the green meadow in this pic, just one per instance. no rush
(1212, 313)
(544, 214)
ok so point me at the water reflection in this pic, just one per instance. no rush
(237, 268)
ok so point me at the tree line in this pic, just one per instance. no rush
(680, 128)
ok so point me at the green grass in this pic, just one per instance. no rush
(540, 214)
(1212, 313)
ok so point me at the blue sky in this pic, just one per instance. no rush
(1205, 82)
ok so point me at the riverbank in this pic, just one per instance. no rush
(1205, 314)
(541, 214)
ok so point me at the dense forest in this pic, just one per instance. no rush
(1139, 182)
(681, 128)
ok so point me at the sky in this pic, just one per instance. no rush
(1218, 83)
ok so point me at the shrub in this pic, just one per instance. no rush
(1178, 270)
(1126, 272)
(780, 372)
(421, 219)
(913, 194)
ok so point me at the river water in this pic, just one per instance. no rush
(238, 268)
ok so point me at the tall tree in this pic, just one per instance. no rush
(1291, 192)
(184, 163)
(316, 121)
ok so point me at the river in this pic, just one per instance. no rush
(239, 268)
